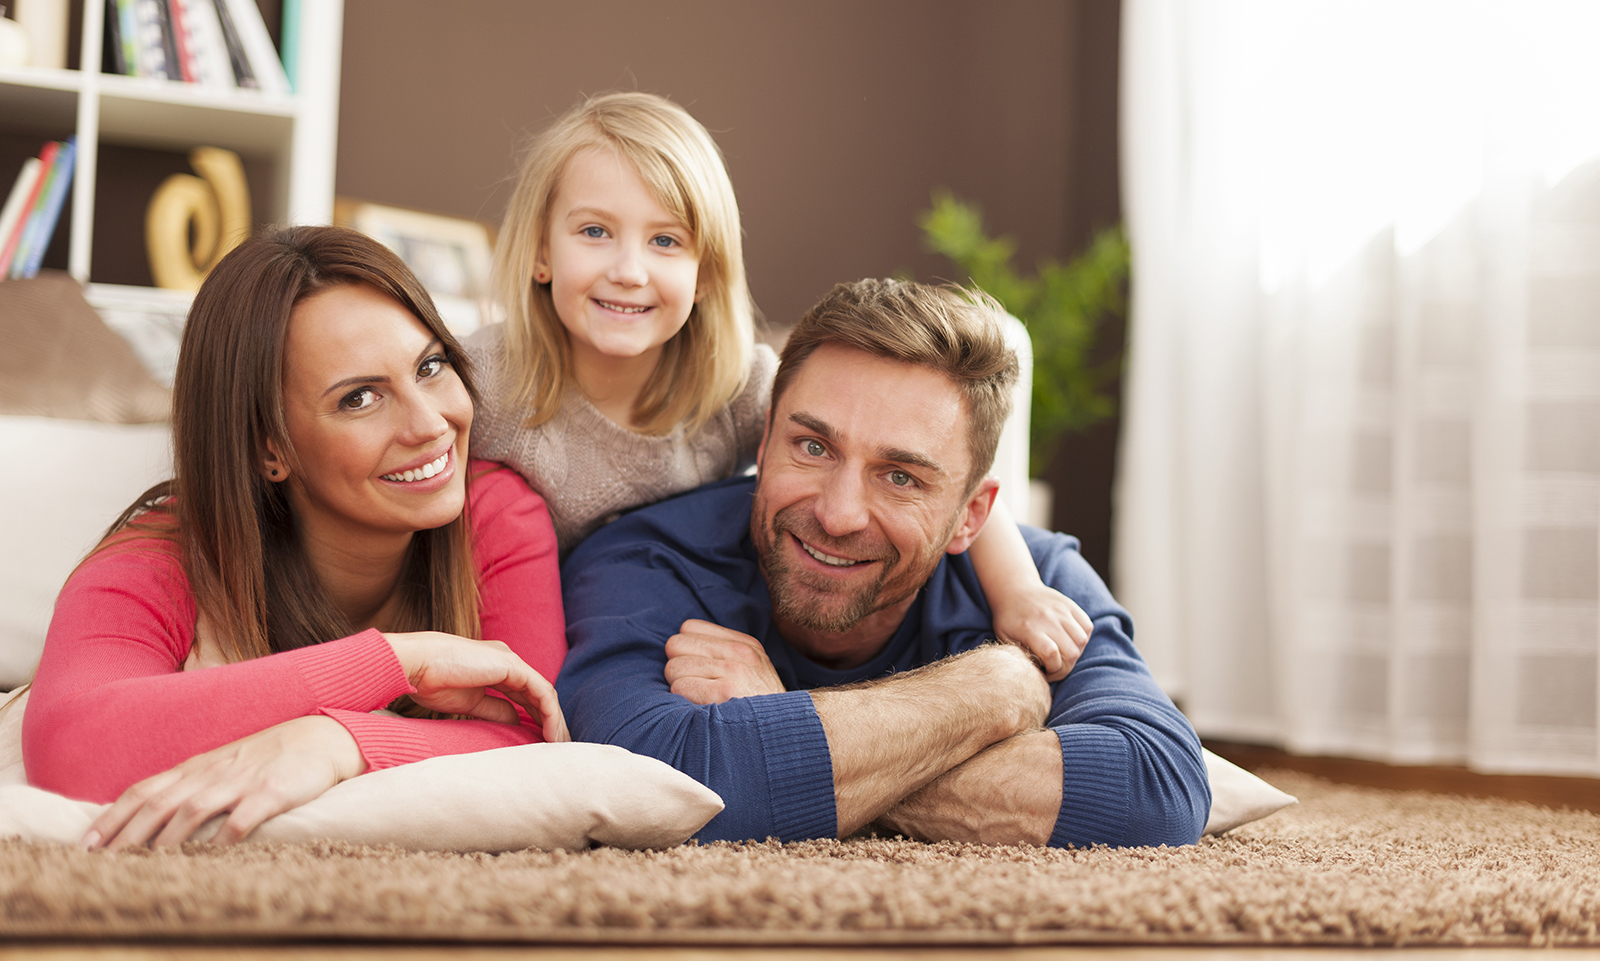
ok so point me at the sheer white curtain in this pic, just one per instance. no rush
(1359, 494)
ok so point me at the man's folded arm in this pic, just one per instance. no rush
(1131, 768)
(1117, 763)
(890, 737)
(766, 756)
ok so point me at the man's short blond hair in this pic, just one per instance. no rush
(946, 328)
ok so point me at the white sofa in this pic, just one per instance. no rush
(69, 480)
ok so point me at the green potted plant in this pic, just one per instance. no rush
(1064, 307)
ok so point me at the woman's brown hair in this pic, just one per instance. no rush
(234, 529)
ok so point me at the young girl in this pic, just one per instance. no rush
(626, 370)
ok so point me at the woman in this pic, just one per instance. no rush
(323, 548)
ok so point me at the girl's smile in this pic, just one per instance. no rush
(622, 267)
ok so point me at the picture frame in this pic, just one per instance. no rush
(450, 255)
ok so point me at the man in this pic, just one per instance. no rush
(812, 645)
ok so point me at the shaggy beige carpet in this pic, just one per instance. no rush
(1345, 866)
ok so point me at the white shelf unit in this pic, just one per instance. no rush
(296, 135)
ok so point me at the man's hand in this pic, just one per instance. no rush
(709, 664)
(1044, 622)
(889, 737)
(1009, 793)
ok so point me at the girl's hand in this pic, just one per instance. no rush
(1046, 623)
(254, 778)
(453, 675)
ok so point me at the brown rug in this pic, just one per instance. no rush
(1353, 866)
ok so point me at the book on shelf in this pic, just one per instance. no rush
(49, 213)
(188, 72)
(41, 225)
(17, 202)
(257, 44)
(46, 162)
(289, 40)
(243, 76)
(122, 38)
(150, 38)
(163, 37)
(215, 43)
(204, 34)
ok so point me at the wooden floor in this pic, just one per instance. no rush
(421, 952)
(1577, 793)
(456, 953)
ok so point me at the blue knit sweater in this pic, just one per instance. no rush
(1132, 772)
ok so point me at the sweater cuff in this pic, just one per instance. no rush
(1094, 787)
(384, 741)
(355, 673)
(799, 766)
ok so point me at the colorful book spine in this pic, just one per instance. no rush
(242, 75)
(183, 57)
(111, 55)
(290, 41)
(47, 159)
(257, 45)
(169, 42)
(11, 218)
(115, 57)
(205, 36)
(128, 36)
(153, 61)
(54, 198)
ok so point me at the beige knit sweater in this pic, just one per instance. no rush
(590, 469)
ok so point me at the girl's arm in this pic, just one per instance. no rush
(1035, 617)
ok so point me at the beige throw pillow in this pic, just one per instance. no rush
(1237, 796)
(537, 796)
(63, 361)
(547, 796)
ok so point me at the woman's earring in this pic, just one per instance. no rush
(274, 472)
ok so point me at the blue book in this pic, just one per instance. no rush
(291, 42)
(43, 223)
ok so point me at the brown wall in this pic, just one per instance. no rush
(837, 118)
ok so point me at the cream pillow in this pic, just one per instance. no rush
(549, 796)
(478, 802)
(1237, 796)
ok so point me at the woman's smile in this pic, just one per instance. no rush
(433, 468)
(377, 420)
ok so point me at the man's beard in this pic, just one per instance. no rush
(819, 603)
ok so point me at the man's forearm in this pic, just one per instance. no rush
(889, 738)
(1009, 793)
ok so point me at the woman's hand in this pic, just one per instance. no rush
(1046, 623)
(453, 675)
(253, 778)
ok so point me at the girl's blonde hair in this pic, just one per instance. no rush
(706, 363)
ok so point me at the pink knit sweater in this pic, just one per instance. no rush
(111, 703)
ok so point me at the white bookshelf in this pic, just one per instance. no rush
(295, 135)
